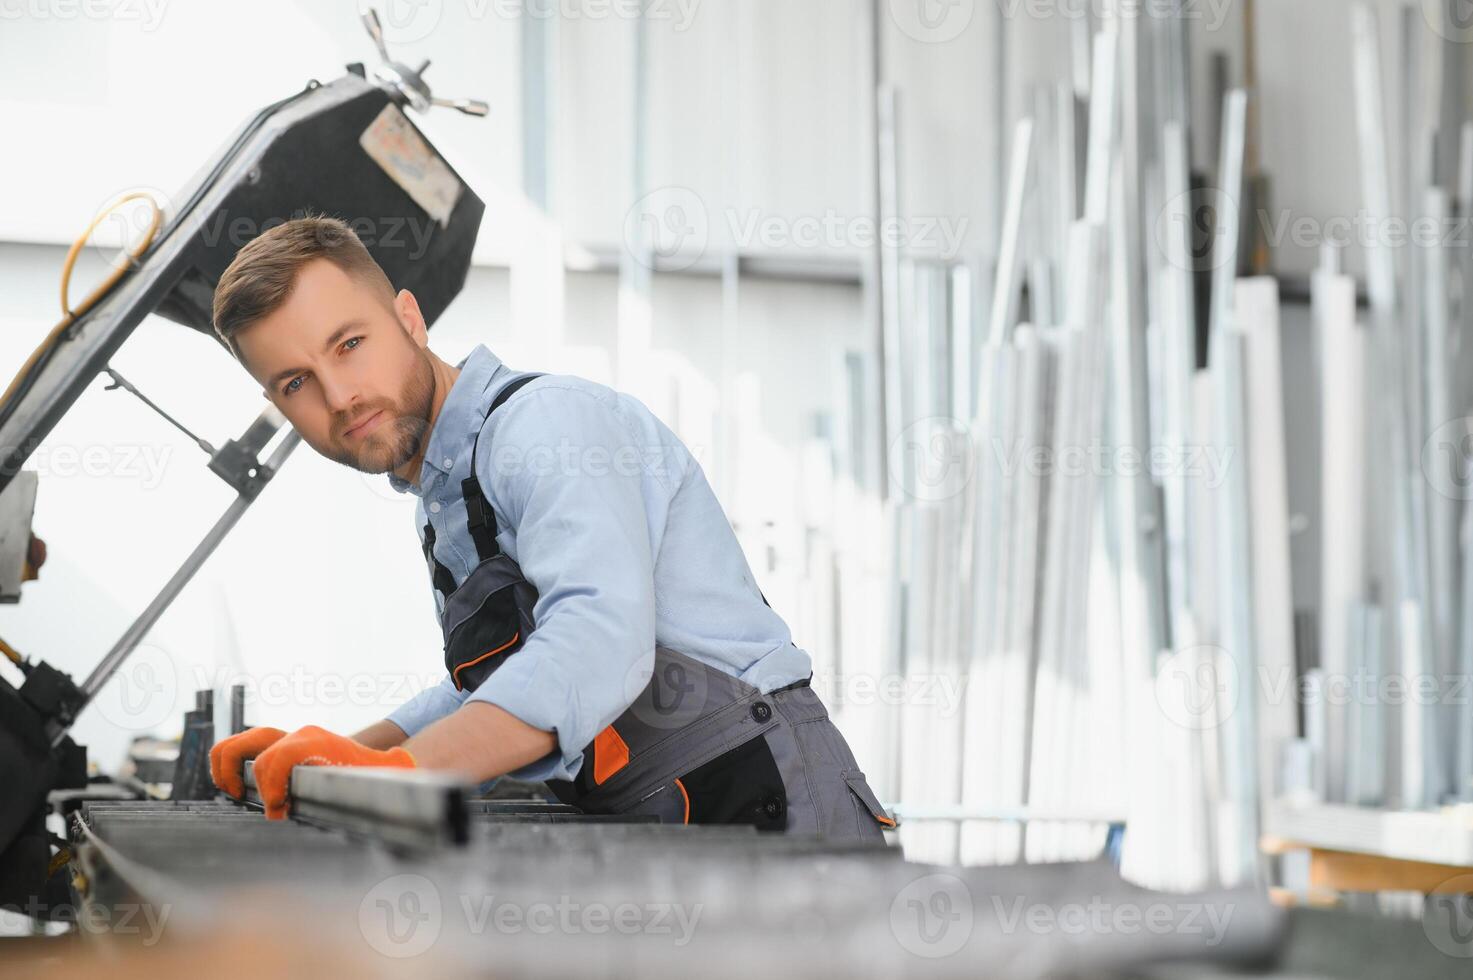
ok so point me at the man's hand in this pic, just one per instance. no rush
(229, 755)
(313, 746)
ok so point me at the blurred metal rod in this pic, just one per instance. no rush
(237, 709)
(145, 621)
(1009, 263)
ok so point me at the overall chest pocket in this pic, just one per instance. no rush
(486, 620)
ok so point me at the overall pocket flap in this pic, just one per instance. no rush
(860, 788)
(676, 755)
(485, 621)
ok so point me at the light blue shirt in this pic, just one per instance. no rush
(611, 518)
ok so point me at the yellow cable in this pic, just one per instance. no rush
(11, 652)
(69, 315)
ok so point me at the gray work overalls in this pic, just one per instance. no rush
(696, 745)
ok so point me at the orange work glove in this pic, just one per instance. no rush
(313, 746)
(227, 758)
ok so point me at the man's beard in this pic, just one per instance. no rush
(398, 438)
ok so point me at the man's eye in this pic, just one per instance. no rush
(293, 385)
(352, 342)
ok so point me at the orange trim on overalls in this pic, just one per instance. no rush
(687, 799)
(488, 653)
(884, 820)
(610, 754)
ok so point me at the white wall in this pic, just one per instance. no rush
(760, 104)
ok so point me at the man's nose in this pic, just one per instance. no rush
(339, 393)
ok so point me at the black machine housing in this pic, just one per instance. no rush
(299, 155)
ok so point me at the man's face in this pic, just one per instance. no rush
(346, 367)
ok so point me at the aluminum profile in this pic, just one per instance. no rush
(414, 807)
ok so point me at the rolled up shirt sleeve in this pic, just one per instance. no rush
(563, 472)
(427, 707)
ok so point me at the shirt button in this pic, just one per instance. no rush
(434, 507)
(449, 463)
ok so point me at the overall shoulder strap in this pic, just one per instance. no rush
(509, 389)
(479, 518)
(440, 576)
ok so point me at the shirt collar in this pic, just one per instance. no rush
(458, 422)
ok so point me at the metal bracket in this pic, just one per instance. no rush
(237, 462)
(406, 84)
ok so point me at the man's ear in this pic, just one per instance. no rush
(410, 318)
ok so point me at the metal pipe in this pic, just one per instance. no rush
(413, 807)
(145, 621)
(1005, 814)
(237, 709)
(121, 382)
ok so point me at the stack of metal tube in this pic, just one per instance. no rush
(1088, 465)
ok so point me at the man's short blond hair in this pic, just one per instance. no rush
(261, 276)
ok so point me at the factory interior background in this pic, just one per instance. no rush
(1101, 495)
